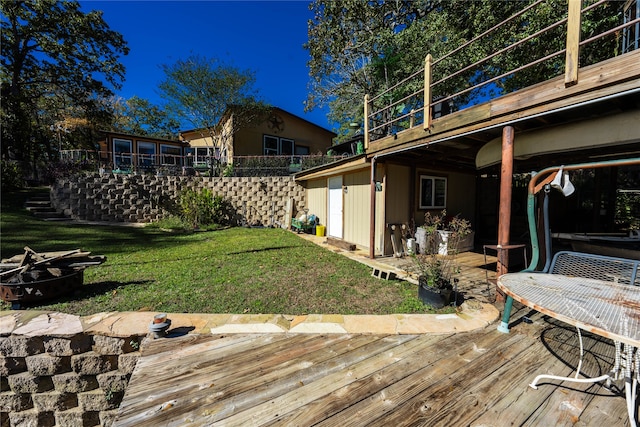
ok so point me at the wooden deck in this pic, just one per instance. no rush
(468, 379)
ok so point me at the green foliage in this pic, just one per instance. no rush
(436, 270)
(170, 222)
(11, 175)
(54, 56)
(62, 169)
(201, 208)
(202, 90)
(138, 116)
(627, 214)
(228, 170)
(235, 270)
(359, 48)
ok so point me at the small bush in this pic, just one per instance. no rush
(11, 175)
(203, 208)
(57, 170)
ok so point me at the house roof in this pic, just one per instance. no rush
(341, 166)
(142, 137)
(276, 109)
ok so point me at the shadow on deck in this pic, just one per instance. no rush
(476, 378)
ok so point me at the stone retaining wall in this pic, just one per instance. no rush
(73, 380)
(142, 198)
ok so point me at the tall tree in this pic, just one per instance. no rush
(361, 47)
(205, 93)
(138, 116)
(56, 60)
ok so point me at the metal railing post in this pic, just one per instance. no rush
(366, 122)
(427, 92)
(573, 43)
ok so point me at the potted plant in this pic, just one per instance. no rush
(443, 234)
(436, 268)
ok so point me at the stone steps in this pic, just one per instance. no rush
(40, 207)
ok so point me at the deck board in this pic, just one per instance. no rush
(474, 378)
(477, 378)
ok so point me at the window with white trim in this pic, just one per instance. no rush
(122, 149)
(433, 192)
(146, 153)
(170, 154)
(274, 146)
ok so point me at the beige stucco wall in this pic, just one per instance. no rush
(461, 194)
(393, 203)
(397, 203)
(249, 140)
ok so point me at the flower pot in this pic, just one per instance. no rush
(435, 297)
(464, 245)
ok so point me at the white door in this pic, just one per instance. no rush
(334, 228)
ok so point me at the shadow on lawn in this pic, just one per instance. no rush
(91, 290)
(275, 248)
(86, 291)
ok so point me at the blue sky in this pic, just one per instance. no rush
(263, 36)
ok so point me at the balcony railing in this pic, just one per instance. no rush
(126, 163)
(443, 85)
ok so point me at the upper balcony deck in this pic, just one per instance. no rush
(461, 119)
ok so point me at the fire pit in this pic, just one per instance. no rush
(34, 277)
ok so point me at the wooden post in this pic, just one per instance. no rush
(573, 43)
(372, 216)
(504, 222)
(366, 122)
(427, 93)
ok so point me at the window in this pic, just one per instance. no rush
(433, 192)
(202, 157)
(286, 147)
(302, 151)
(146, 154)
(170, 155)
(270, 146)
(274, 146)
(122, 153)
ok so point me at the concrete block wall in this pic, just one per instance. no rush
(72, 380)
(143, 198)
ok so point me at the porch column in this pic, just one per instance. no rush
(504, 215)
(372, 217)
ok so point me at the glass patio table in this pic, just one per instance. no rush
(608, 309)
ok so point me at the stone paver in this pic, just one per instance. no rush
(472, 315)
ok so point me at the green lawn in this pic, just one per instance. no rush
(237, 270)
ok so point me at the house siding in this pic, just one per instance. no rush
(317, 199)
(398, 195)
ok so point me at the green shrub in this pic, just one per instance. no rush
(203, 208)
(11, 175)
(64, 169)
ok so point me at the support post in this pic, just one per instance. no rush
(427, 93)
(504, 222)
(366, 122)
(573, 43)
(372, 216)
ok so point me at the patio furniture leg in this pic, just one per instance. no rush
(630, 356)
(504, 325)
